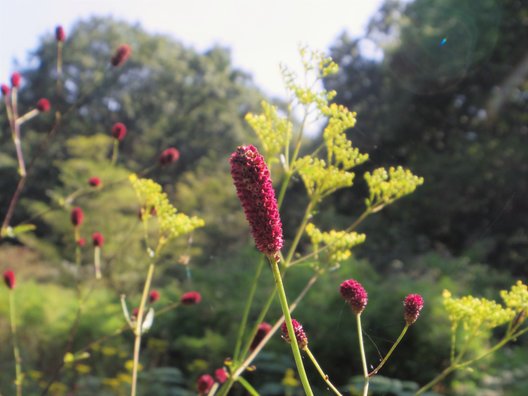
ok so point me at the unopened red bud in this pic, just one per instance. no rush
(9, 279)
(15, 79)
(59, 33)
(354, 294)
(154, 296)
(191, 298)
(81, 242)
(94, 181)
(412, 305)
(168, 156)
(121, 55)
(5, 89)
(262, 330)
(97, 239)
(43, 105)
(204, 384)
(119, 131)
(221, 375)
(300, 335)
(77, 216)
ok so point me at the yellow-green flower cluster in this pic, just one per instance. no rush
(171, 223)
(517, 298)
(476, 315)
(339, 242)
(273, 131)
(387, 186)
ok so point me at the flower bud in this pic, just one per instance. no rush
(354, 294)
(121, 55)
(5, 89)
(43, 105)
(300, 335)
(221, 375)
(119, 131)
(9, 279)
(81, 242)
(252, 180)
(154, 296)
(204, 384)
(77, 216)
(168, 156)
(97, 239)
(94, 181)
(59, 34)
(191, 298)
(263, 329)
(412, 305)
(15, 79)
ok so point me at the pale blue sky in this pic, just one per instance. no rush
(261, 34)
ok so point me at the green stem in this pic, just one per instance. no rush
(362, 347)
(16, 351)
(137, 330)
(97, 262)
(115, 151)
(247, 308)
(284, 187)
(247, 386)
(436, 380)
(286, 311)
(387, 356)
(321, 372)
(299, 234)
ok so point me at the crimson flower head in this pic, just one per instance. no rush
(15, 79)
(263, 329)
(43, 105)
(354, 294)
(119, 131)
(121, 55)
(59, 34)
(300, 335)
(94, 181)
(9, 279)
(204, 384)
(412, 305)
(97, 239)
(252, 180)
(154, 296)
(191, 298)
(220, 375)
(168, 156)
(81, 242)
(77, 216)
(5, 89)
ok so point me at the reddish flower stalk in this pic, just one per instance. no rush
(43, 105)
(60, 35)
(191, 298)
(263, 329)
(77, 216)
(121, 55)
(119, 131)
(204, 384)
(412, 305)
(168, 156)
(300, 335)
(252, 180)
(154, 296)
(5, 89)
(15, 79)
(9, 279)
(355, 295)
(94, 181)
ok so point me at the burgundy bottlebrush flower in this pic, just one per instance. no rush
(191, 298)
(119, 131)
(412, 305)
(15, 79)
(168, 156)
(77, 216)
(354, 294)
(5, 89)
(9, 279)
(94, 181)
(81, 242)
(97, 239)
(300, 335)
(220, 375)
(43, 105)
(59, 33)
(204, 384)
(154, 296)
(263, 329)
(252, 180)
(121, 55)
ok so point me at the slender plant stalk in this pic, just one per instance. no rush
(287, 317)
(365, 388)
(321, 372)
(387, 356)
(97, 262)
(247, 386)
(362, 347)
(138, 329)
(115, 151)
(16, 351)
(299, 233)
(245, 315)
